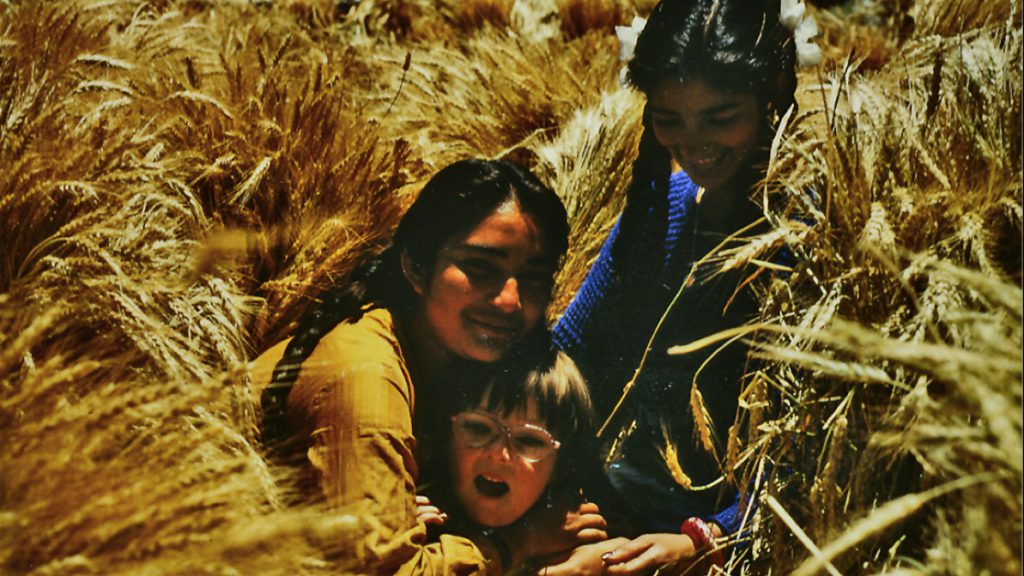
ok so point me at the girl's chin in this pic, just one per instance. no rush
(478, 349)
(485, 355)
(495, 516)
(489, 521)
(707, 179)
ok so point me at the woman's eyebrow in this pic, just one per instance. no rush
(660, 110)
(481, 249)
(466, 249)
(724, 107)
(716, 109)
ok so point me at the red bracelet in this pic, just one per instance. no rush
(703, 539)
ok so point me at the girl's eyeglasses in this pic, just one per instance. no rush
(479, 430)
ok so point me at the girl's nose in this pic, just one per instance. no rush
(508, 299)
(500, 449)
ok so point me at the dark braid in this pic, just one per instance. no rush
(648, 192)
(638, 295)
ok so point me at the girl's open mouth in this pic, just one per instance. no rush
(491, 488)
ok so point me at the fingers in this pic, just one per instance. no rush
(559, 570)
(589, 535)
(559, 565)
(632, 549)
(548, 530)
(429, 517)
(578, 522)
(582, 561)
(649, 552)
(427, 513)
(643, 564)
(588, 526)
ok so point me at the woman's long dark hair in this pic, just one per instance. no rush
(450, 206)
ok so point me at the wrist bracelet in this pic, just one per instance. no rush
(703, 539)
(504, 552)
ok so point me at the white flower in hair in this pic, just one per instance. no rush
(804, 29)
(808, 53)
(627, 36)
(790, 13)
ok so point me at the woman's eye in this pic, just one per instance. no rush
(664, 121)
(722, 121)
(540, 281)
(478, 269)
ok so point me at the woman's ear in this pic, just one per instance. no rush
(414, 274)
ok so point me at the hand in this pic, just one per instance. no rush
(427, 513)
(588, 524)
(545, 531)
(576, 527)
(583, 560)
(648, 552)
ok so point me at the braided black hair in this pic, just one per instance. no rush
(450, 206)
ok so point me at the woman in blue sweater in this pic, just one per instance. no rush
(717, 75)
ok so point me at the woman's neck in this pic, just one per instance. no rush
(425, 356)
(723, 210)
(716, 207)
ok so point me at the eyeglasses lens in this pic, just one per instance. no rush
(476, 431)
(532, 443)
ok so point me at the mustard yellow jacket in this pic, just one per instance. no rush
(353, 402)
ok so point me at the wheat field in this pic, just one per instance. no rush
(178, 178)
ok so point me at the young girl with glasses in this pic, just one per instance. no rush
(506, 442)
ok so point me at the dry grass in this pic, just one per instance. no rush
(128, 434)
(894, 369)
(588, 164)
(176, 183)
(493, 96)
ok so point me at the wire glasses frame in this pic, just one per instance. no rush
(530, 442)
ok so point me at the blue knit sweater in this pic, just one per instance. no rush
(606, 329)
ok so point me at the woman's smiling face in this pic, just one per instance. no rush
(712, 134)
(490, 288)
(493, 484)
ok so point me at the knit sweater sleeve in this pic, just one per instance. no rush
(586, 313)
(591, 330)
(729, 518)
(600, 330)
